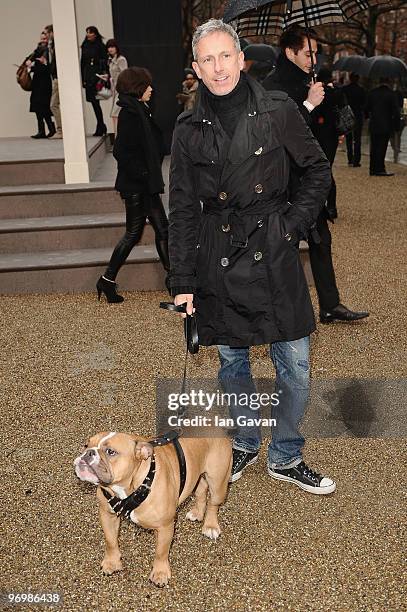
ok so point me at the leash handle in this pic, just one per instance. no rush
(190, 326)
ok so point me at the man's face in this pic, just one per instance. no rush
(218, 63)
(302, 58)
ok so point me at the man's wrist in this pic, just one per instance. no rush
(310, 107)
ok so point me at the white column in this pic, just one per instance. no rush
(70, 91)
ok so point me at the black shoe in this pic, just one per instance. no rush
(51, 132)
(108, 287)
(39, 135)
(101, 130)
(241, 459)
(350, 163)
(305, 478)
(341, 313)
(356, 165)
(382, 174)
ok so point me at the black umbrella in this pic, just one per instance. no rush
(384, 66)
(271, 17)
(261, 53)
(350, 63)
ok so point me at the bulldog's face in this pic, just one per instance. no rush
(110, 458)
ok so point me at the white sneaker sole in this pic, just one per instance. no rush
(239, 474)
(315, 490)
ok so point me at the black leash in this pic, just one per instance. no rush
(124, 507)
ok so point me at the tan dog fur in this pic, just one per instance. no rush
(120, 462)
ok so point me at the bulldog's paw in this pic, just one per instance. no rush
(211, 532)
(194, 515)
(160, 574)
(110, 566)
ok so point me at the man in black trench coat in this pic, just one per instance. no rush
(233, 240)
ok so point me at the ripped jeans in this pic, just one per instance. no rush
(291, 361)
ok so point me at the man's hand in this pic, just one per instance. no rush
(316, 94)
(188, 298)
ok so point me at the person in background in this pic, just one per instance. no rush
(293, 75)
(116, 63)
(41, 88)
(384, 120)
(54, 104)
(356, 97)
(189, 89)
(139, 152)
(323, 127)
(395, 139)
(94, 63)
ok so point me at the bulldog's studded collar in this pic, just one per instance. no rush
(124, 507)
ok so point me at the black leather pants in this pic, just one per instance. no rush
(139, 207)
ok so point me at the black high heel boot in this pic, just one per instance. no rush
(100, 130)
(108, 287)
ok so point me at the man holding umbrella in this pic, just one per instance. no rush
(293, 75)
(233, 240)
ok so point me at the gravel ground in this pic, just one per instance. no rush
(72, 366)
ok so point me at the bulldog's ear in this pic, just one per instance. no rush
(143, 450)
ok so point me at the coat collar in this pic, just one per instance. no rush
(290, 73)
(251, 135)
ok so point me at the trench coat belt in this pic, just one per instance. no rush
(233, 218)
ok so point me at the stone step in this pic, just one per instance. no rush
(57, 200)
(47, 166)
(75, 271)
(65, 233)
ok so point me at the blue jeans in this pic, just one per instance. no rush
(291, 361)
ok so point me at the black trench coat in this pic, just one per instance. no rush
(233, 236)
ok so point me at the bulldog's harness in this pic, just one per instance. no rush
(124, 507)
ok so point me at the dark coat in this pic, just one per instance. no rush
(93, 62)
(323, 121)
(41, 89)
(383, 111)
(288, 77)
(356, 97)
(253, 292)
(138, 149)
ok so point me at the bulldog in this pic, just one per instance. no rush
(143, 481)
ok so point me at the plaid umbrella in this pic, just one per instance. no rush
(270, 18)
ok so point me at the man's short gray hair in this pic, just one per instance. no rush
(209, 27)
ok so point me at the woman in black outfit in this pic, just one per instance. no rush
(94, 62)
(138, 150)
(41, 91)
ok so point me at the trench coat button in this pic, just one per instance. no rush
(226, 228)
(288, 237)
(223, 195)
(258, 255)
(259, 188)
(260, 223)
(259, 151)
(224, 262)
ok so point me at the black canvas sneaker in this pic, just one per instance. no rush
(305, 478)
(241, 459)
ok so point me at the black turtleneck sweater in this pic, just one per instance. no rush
(230, 107)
